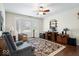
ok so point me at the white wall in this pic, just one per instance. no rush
(67, 19)
(2, 9)
(11, 19)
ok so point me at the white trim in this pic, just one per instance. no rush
(55, 52)
(77, 43)
(0, 33)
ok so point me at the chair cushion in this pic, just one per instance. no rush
(19, 43)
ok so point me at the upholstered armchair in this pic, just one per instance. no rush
(13, 50)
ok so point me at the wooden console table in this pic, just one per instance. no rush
(51, 36)
(55, 37)
(63, 39)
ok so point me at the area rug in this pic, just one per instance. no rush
(44, 47)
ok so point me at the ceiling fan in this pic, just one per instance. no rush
(42, 10)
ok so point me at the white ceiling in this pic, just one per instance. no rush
(29, 8)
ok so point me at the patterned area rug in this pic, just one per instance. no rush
(44, 47)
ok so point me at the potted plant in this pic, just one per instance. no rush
(65, 30)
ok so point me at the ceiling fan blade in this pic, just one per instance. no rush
(46, 10)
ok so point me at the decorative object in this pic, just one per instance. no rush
(33, 33)
(65, 30)
(44, 47)
(5, 52)
(53, 24)
(12, 30)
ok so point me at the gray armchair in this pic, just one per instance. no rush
(27, 51)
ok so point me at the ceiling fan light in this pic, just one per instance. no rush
(44, 13)
(40, 13)
(42, 10)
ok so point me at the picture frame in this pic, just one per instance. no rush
(53, 23)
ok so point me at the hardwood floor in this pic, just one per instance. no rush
(69, 51)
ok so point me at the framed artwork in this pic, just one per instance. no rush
(53, 24)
